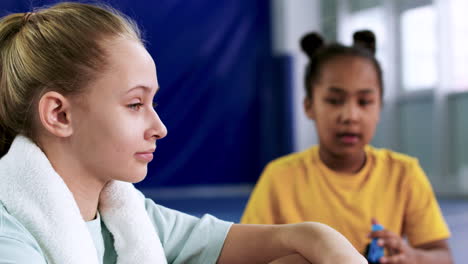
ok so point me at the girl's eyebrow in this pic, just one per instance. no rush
(334, 89)
(366, 91)
(337, 90)
(145, 88)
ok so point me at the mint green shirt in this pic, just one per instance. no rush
(185, 238)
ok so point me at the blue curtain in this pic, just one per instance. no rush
(224, 98)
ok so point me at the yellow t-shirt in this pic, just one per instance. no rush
(391, 187)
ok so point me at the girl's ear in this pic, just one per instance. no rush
(55, 114)
(309, 110)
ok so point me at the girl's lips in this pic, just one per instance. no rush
(144, 156)
(348, 139)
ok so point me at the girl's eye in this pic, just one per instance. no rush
(333, 101)
(135, 106)
(365, 102)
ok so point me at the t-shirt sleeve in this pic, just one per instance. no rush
(185, 238)
(263, 207)
(424, 221)
(16, 243)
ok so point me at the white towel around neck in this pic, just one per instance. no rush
(33, 192)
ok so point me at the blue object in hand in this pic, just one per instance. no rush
(375, 252)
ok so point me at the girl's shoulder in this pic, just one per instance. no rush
(16, 242)
(398, 170)
(9, 224)
(297, 163)
(387, 157)
(295, 160)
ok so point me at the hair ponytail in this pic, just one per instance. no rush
(9, 28)
(310, 43)
(365, 39)
(6, 138)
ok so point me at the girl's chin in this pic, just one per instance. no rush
(347, 152)
(136, 177)
(132, 180)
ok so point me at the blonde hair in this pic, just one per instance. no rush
(57, 48)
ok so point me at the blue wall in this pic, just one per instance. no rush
(223, 96)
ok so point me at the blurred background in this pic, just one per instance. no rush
(231, 77)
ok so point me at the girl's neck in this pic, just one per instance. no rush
(86, 195)
(85, 188)
(343, 164)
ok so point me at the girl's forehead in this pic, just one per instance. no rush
(349, 68)
(128, 65)
(343, 62)
(349, 75)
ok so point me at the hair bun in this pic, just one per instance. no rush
(310, 43)
(365, 39)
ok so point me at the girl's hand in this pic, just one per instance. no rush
(399, 252)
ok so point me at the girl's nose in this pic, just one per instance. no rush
(157, 130)
(349, 113)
